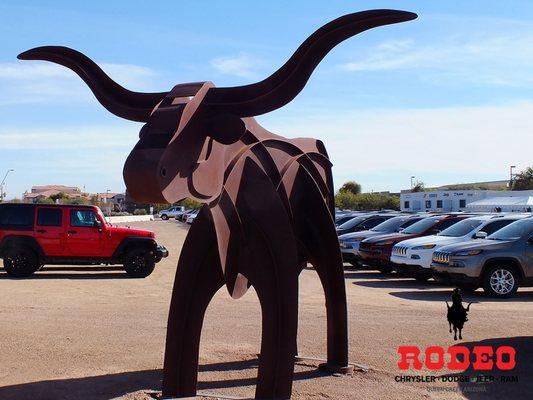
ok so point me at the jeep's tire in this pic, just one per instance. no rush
(468, 287)
(164, 217)
(385, 269)
(20, 261)
(422, 277)
(139, 263)
(501, 281)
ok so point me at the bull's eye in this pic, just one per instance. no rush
(163, 172)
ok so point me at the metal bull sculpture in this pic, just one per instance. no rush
(268, 201)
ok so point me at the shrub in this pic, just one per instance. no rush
(140, 211)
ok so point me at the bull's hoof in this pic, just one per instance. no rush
(336, 369)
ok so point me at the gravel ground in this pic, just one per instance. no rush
(72, 332)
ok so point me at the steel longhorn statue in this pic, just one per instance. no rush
(269, 201)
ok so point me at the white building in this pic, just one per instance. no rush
(458, 200)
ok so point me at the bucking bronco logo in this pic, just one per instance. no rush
(457, 314)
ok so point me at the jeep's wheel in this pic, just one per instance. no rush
(385, 269)
(139, 263)
(422, 277)
(500, 281)
(20, 262)
(468, 287)
(164, 217)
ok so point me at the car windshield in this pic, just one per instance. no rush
(420, 226)
(353, 222)
(514, 231)
(390, 225)
(461, 228)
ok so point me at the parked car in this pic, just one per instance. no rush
(186, 215)
(192, 216)
(179, 214)
(363, 222)
(171, 212)
(500, 263)
(376, 251)
(349, 242)
(33, 235)
(412, 257)
(345, 217)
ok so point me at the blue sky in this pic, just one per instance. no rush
(446, 98)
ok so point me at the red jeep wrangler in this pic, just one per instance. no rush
(32, 235)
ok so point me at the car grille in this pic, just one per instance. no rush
(399, 250)
(441, 257)
(342, 243)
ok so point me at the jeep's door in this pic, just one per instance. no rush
(83, 238)
(49, 230)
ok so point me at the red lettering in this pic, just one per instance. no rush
(409, 353)
(454, 363)
(483, 358)
(439, 351)
(505, 365)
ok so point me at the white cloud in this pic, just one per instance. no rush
(459, 141)
(483, 51)
(114, 137)
(40, 82)
(242, 65)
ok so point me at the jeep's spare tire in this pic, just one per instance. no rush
(20, 261)
(139, 263)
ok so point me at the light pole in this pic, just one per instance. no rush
(511, 176)
(2, 184)
(412, 177)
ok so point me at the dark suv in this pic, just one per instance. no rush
(33, 235)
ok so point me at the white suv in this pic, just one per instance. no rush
(412, 257)
(170, 212)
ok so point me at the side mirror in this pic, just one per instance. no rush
(98, 224)
(480, 235)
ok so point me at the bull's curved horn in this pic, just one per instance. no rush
(124, 103)
(283, 85)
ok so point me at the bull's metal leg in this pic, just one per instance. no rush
(318, 232)
(270, 263)
(198, 278)
(277, 290)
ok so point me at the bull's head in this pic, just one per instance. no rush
(183, 146)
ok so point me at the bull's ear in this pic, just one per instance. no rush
(226, 128)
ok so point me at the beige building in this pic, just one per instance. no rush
(45, 191)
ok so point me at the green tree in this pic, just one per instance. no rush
(351, 187)
(367, 201)
(419, 187)
(61, 196)
(523, 180)
(45, 200)
(190, 203)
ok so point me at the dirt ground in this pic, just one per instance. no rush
(91, 333)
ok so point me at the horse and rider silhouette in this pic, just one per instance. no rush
(457, 313)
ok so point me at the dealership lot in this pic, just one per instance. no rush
(92, 333)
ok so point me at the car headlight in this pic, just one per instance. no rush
(424, 247)
(468, 252)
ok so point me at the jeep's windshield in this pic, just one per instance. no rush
(391, 225)
(461, 228)
(353, 222)
(420, 226)
(514, 231)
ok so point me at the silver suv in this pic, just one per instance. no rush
(500, 263)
